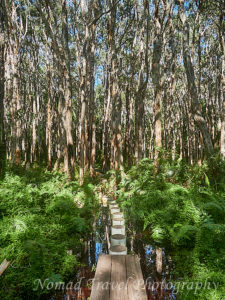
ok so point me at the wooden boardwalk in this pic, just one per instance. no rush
(118, 277)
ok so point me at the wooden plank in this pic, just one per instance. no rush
(118, 277)
(101, 284)
(118, 288)
(4, 265)
(135, 283)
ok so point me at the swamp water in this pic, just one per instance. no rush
(158, 286)
(96, 245)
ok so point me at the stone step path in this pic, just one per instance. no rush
(118, 230)
(118, 276)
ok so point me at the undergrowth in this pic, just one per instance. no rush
(42, 216)
(182, 207)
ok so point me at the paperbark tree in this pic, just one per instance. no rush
(190, 74)
(61, 50)
(222, 45)
(142, 82)
(75, 79)
(2, 84)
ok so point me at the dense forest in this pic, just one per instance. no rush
(118, 97)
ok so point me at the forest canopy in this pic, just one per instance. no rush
(86, 83)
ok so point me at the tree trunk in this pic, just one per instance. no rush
(128, 147)
(142, 85)
(195, 105)
(222, 45)
(92, 102)
(157, 82)
(2, 83)
(49, 123)
(67, 111)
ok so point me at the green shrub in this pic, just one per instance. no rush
(182, 207)
(39, 221)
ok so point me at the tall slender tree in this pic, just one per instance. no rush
(2, 83)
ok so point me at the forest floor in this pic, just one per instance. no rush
(52, 230)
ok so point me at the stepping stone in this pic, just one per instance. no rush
(117, 215)
(118, 221)
(118, 229)
(114, 209)
(111, 201)
(112, 204)
(118, 239)
(118, 250)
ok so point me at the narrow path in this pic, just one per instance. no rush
(118, 275)
(118, 231)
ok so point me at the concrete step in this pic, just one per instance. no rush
(117, 215)
(118, 250)
(118, 221)
(118, 229)
(112, 204)
(114, 209)
(118, 239)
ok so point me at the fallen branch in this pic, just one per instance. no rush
(4, 265)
